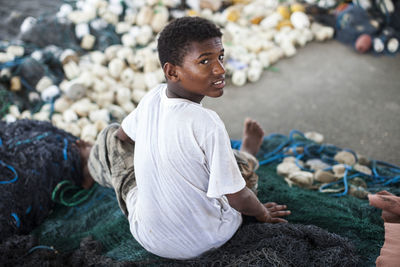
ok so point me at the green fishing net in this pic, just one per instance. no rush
(323, 230)
(101, 218)
(347, 216)
(5, 101)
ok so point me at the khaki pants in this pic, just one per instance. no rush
(111, 165)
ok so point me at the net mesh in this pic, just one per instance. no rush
(323, 231)
(347, 217)
(5, 101)
(58, 32)
(34, 157)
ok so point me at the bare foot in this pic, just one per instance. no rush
(253, 136)
(84, 150)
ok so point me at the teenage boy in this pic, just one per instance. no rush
(176, 177)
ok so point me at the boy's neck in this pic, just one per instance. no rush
(174, 91)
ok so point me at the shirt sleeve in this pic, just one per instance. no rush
(225, 176)
(129, 124)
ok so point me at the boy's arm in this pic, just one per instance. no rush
(123, 136)
(247, 203)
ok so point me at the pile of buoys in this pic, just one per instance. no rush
(103, 85)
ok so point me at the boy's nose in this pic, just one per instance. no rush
(219, 68)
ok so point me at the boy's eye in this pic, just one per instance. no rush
(221, 58)
(204, 61)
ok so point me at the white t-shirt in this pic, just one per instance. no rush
(184, 165)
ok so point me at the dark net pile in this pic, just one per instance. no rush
(349, 221)
(261, 244)
(35, 156)
(255, 244)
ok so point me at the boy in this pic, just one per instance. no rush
(184, 193)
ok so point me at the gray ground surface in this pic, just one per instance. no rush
(352, 99)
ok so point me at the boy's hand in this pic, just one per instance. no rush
(247, 203)
(273, 212)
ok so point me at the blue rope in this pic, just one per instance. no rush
(288, 146)
(27, 85)
(271, 159)
(53, 100)
(278, 148)
(17, 220)
(387, 165)
(345, 181)
(13, 63)
(382, 179)
(346, 187)
(15, 178)
(294, 132)
(41, 247)
(29, 140)
(28, 210)
(299, 157)
(65, 149)
(393, 180)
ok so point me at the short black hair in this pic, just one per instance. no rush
(175, 38)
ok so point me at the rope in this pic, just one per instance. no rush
(11, 168)
(26, 141)
(41, 247)
(28, 210)
(65, 187)
(17, 220)
(35, 157)
(65, 149)
(345, 182)
(13, 63)
(383, 173)
(27, 85)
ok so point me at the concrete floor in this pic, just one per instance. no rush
(352, 99)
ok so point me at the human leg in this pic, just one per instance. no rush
(253, 135)
(110, 164)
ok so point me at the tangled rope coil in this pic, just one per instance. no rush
(280, 146)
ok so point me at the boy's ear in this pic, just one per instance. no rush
(170, 72)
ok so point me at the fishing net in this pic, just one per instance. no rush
(30, 70)
(377, 175)
(5, 100)
(97, 231)
(34, 157)
(105, 37)
(323, 231)
(61, 33)
(57, 32)
(254, 244)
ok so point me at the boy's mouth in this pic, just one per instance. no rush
(219, 83)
